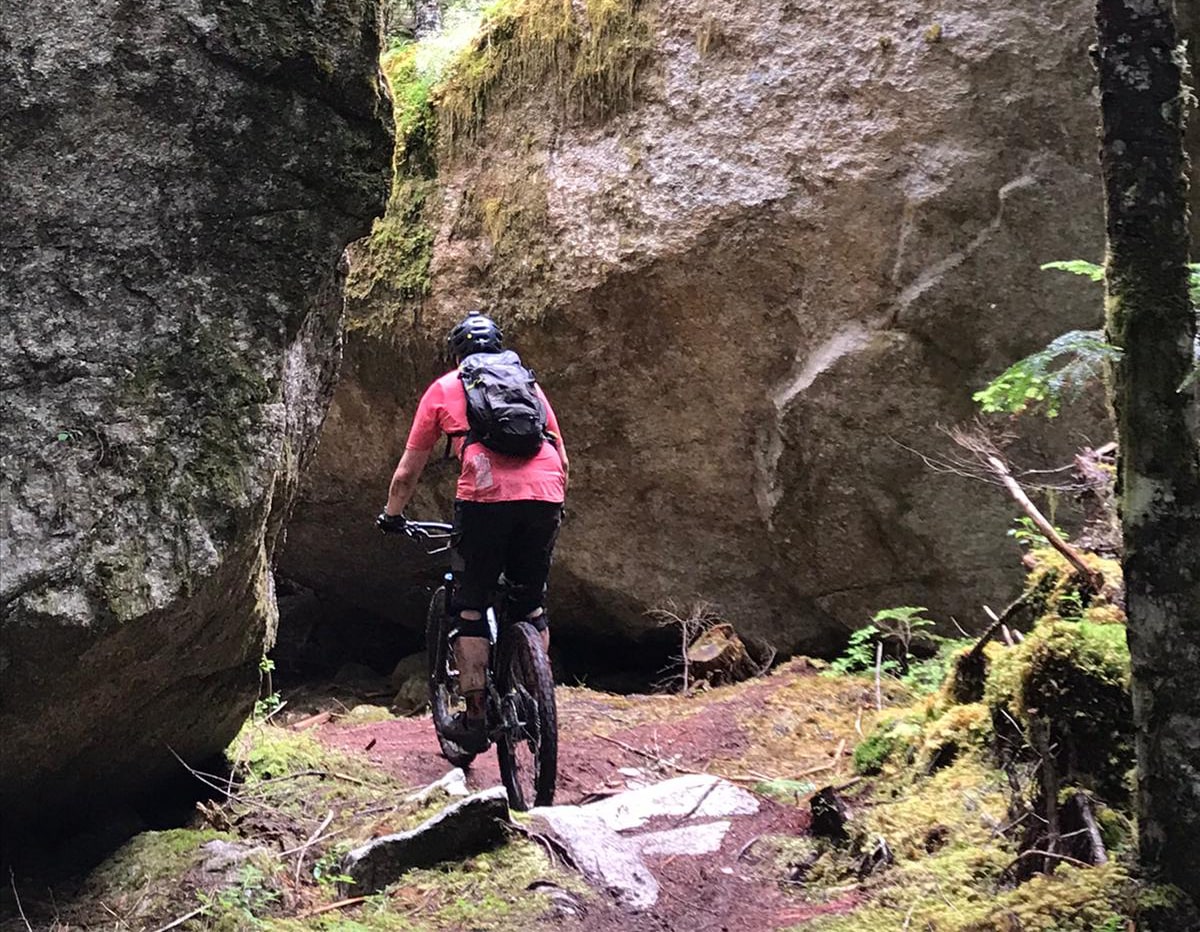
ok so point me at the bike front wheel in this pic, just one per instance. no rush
(528, 748)
(444, 698)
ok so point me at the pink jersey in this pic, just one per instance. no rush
(487, 476)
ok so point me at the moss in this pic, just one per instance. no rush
(1104, 614)
(960, 728)
(1071, 900)
(397, 254)
(488, 892)
(399, 250)
(968, 673)
(412, 110)
(872, 754)
(210, 371)
(267, 752)
(153, 857)
(365, 714)
(1073, 676)
(588, 57)
(948, 862)
(1056, 588)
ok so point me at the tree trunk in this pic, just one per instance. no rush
(1187, 14)
(427, 17)
(1150, 318)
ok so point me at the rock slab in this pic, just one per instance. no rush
(179, 182)
(605, 841)
(459, 831)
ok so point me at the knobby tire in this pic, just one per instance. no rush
(437, 648)
(528, 761)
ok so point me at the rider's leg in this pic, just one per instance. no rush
(482, 558)
(471, 658)
(527, 564)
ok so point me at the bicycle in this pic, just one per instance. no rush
(522, 719)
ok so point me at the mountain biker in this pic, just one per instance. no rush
(507, 512)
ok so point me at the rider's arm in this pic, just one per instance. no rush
(404, 480)
(422, 437)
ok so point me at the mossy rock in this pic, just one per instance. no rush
(153, 857)
(892, 741)
(1056, 589)
(968, 673)
(959, 729)
(1073, 676)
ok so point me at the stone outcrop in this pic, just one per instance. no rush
(179, 181)
(756, 254)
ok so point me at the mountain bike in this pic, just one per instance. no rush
(522, 719)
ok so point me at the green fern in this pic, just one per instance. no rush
(1050, 376)
(1077, 267)
(1046, 379)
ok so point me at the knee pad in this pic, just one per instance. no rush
(522, 600)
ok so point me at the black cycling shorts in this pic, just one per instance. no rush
(513, 538)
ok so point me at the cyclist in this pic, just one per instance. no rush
(507, 512)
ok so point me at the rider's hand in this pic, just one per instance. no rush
(391, 524)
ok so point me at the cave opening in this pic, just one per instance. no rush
(326, 641)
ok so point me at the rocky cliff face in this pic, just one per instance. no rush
(757, 253)
(180, 179)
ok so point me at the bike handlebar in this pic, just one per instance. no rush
(428, 530)
(438, 533)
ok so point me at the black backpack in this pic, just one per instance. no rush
(504, 411)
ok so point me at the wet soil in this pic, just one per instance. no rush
(609, 743)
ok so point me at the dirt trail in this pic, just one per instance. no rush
(792, 725)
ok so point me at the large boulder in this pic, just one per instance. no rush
(756, 252)
(179, 182)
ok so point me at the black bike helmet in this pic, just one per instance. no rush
(476, 334)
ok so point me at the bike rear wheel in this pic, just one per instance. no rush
(444, 698)
(528, 748)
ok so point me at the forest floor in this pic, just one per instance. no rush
(330, 772)
(778, 736)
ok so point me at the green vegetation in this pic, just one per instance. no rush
(890, 637)
(400, 247)
(1073, 679)
(959, 790)
(284, 783)
(443, 87)
(590, 61)
(1045, 380)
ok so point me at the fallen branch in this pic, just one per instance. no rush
(325, 837)
(663, 762)
(998, 622)
(1084, 805)
(204, 778)
(745, 849)
(12, 879)
(319, 719)
(878, 676)
(554, 849)
(1045, 854)
(177, 922)
(1000, 469)
(308, 844)
(699, 802)
(329, 907)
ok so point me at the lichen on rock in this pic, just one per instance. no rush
(177, 199)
